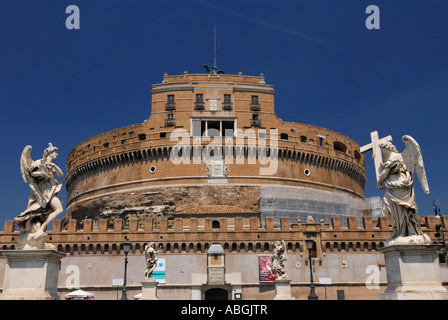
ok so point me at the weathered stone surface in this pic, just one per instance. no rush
(162, 202)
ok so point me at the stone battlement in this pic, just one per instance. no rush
(236, 235)
(201, 77)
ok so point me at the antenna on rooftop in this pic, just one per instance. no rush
(214, 68)
(214, 52)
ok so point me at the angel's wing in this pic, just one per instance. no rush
(206, 67)
(25, 163)
(413, 159)
(284, 245)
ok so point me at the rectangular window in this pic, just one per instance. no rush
(199, 98)
(170, 116)
(215, 128)
(228, 128)
(254, 100)
(321, 141)
(227, 99)
(170, 99)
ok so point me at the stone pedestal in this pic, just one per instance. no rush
(413, 273)
(31, 274)
(149, 290)
(283, 290)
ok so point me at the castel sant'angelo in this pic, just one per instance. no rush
(214, 177)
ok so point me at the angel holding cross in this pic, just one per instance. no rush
(396, 177)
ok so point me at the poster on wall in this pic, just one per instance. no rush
(159, 272)
(266, 272)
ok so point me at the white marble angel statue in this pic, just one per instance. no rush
(151, 259)
(44, 204)
(397, 178)
(278, 259)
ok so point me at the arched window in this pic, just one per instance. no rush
(339, 146)
(266, 246)
(215, 224)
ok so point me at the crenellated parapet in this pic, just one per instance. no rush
(236, 235)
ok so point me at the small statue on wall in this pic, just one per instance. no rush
(44, 204)
(151, 259)
(396, 177)
(278, 259)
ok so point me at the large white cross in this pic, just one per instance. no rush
(374, 146)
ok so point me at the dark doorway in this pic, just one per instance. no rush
(216, 294)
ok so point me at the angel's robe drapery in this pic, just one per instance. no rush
(399, 199)
(43, 191)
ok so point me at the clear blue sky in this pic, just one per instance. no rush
(64, 86)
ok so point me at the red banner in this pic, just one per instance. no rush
(266, 272)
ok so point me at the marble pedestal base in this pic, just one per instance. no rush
(31, 274)
(149, 290)
(283, 290)
(413, 273)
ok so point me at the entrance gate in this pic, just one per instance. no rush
(216, 294)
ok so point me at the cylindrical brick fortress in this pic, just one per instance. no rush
(210, 141)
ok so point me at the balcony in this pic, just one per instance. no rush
(170, 106)
(170, 122)
(255, 107)
(255, 122)
(199, 105)
(227, 106)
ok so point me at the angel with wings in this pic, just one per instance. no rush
(397, 178)
(278, 259)
(44, 204)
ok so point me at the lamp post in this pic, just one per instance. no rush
(126, 249)
(440, 227)
(309, 246)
